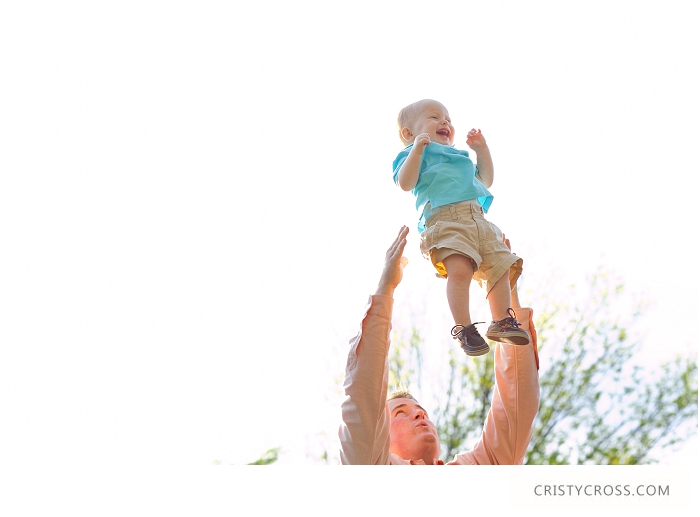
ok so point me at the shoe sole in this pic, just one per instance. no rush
(513, 339)
(475, 353)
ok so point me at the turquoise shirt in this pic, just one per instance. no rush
(447, 175)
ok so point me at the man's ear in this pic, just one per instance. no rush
(406, 134)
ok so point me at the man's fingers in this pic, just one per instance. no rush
(402, 233)
(402, 240)
(399, 242)
(506, 241)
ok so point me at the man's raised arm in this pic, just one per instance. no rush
(516, 395)
(364, 434)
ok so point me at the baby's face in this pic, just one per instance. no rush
(434, 120)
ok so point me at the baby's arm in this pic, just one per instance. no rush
(484, 163)
(410, 170)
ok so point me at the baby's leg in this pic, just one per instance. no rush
(460, 270)
(459, 276)
(504, 327)
(499, 298)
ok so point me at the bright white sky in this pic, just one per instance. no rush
(196, 198)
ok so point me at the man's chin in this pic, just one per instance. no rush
(430, 446)
(429, 437)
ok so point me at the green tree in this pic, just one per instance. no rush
(268, 458)
(597, 406)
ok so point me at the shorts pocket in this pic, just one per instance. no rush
(429, 237)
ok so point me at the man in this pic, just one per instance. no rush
(397, 432)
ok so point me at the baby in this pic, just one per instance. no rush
(451, 198)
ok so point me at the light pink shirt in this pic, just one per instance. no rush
(364, 434)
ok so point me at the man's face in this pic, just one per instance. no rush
(413, 435)
(434, 120)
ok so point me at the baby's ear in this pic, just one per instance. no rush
(406, 134)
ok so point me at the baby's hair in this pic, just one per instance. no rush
(406, 116)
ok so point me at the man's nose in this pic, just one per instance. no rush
(419, 414)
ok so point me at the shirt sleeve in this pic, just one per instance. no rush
(364, 433)
(398, 162)
(508, 428)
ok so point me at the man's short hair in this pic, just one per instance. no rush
(401, 394)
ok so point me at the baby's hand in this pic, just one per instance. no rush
(476, 140)
(421, 142)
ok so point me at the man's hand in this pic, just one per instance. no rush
(506, 241)
(421, 142)
(476, 140)
(514, 300)
(393, 265)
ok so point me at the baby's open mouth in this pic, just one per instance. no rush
(444, 132)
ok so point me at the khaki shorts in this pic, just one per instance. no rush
(461, 228)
